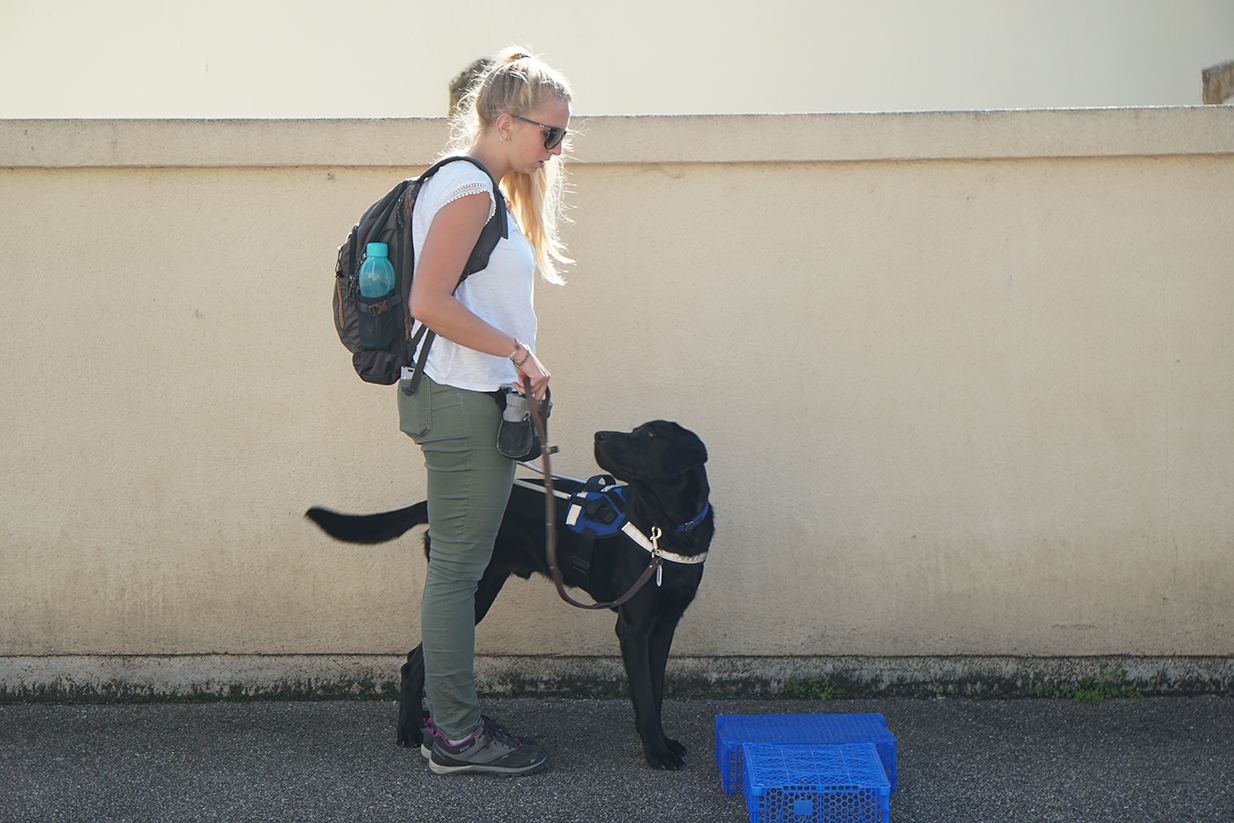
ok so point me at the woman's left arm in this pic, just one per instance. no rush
(451, 236)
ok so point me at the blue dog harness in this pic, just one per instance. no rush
(597, 511)
(599, 506)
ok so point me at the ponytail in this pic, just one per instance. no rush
(516, 82)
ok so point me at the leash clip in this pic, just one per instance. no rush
(655, 553)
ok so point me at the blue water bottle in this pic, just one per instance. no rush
(376, 283)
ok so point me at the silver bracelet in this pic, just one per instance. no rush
(518, 364)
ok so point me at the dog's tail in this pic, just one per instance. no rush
(369, 528)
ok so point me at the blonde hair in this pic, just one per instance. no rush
(515, 82)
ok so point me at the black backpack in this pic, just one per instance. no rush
(389, 221)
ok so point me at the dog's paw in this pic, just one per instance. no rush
(409, 735)
(669, 757)
(667, 762)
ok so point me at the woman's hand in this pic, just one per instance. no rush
(532, 376)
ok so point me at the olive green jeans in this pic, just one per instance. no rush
(468, 487)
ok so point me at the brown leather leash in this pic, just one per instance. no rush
(550, 527)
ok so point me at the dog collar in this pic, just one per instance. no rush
(689, 527)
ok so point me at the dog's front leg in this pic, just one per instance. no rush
(635, 637)
(660, 644)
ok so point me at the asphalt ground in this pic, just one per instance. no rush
(1148, 759)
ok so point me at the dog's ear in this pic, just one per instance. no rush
(685, 452)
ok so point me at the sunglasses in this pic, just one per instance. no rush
(552, 134)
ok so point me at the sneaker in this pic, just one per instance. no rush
(428, 736)
(491, 750)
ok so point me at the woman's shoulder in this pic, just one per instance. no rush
(461, 173)
(455, 180)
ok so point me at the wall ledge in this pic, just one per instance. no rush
(155, 678)
(649, 139)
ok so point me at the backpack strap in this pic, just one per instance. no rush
(494, 230)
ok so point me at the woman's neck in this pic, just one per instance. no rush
(492, 157)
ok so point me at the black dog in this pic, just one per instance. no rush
(667, 492)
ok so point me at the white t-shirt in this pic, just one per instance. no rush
(500, 294)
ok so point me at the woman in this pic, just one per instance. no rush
(513, 122)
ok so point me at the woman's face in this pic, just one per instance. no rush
(527, 152)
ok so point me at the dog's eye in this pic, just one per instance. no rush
(650, 433)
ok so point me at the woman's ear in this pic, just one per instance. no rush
(503, 124)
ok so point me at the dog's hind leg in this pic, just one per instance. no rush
(411, 713)
(410, 709)
(487, 590)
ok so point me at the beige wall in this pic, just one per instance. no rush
(965, 379)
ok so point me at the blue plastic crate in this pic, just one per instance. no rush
(830, 783)
(732, 730)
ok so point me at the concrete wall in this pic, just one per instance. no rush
(965, 379)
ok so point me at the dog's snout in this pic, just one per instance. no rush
(601, 436)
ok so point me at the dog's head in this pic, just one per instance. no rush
(655, 451)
